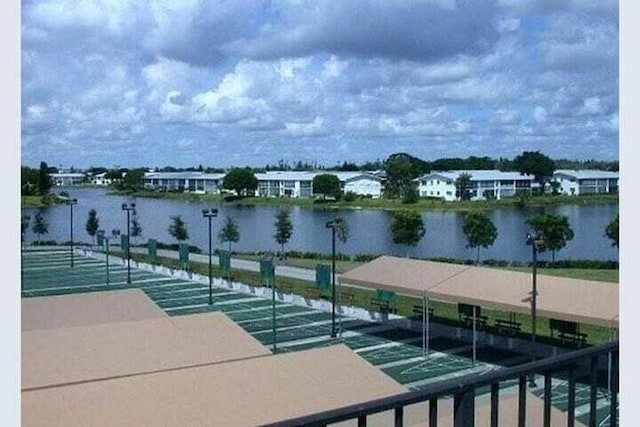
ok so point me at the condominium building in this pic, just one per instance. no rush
(484, 184)
(586, 181)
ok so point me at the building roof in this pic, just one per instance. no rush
(239, 393)
(92, 308)
(560, 298)
(478, 175)
(587, 173)
(308, 176)
(52, 357)
(67, 175)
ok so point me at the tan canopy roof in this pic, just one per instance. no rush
(240, 393)
(575, 300)
(87, 309)
(84, 353)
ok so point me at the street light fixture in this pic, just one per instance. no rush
(70, 203)
(210, 213)
(333, 225)
(535, 241)
(129, 208)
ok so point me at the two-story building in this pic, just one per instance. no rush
(67, 178)
(586, 181)
(484, 184)
(195, 182)
(300, 184)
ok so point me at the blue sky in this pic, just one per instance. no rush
(221, 83)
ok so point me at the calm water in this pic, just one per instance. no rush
(369, 229)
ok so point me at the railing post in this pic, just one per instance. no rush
(613, 412)
(399, 415)
(522, 401)
(593, 395)
(464, 408)
(571, 408)
(362, 421)
(495, 396)
(547, 400)
(433, 413)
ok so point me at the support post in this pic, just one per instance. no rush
(475, 313)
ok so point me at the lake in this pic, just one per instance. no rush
(369, 229)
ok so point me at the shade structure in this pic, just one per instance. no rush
(239, 393)
(576, 300)
(51, 357)
(87, 309)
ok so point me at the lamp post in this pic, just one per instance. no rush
(333, 225)
(128, 207)
(115, 232)
(24, 224)
(535, 241)
(71, 202)
(209, 214)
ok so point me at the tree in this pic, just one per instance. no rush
(480, 231)
(401, 169)
(555, 230)
(178, 228)
(24, 226)
(92, 225)
(327, 184)
(463, 183)
(612, 231)
(29, 178)
(40, 226)
(44, 179)
(411, 194)
(136, 229)
(229, 232)
(284, 228)
(240, 180)
(536, 164)
(407, 228)
(133, 180)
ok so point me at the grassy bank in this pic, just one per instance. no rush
(443, 312)
(39, 201)
(382, 203)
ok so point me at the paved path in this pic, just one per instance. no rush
(243, 264)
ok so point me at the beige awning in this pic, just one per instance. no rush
(575, 300)
(240, 393)
(87, 309)
(85, 353)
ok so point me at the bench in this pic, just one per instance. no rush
(381, 305)
(347, 298)
(417, 311)
(481, 321)
(509, 326)
(573, 337)
(568, 332)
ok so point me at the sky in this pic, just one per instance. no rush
(232, 83)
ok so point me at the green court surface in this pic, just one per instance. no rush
(396, 351)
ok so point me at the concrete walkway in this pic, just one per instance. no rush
(242, 264)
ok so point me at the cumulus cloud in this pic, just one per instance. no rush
(265, 80)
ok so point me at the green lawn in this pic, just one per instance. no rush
(443, 312)
(384, 203)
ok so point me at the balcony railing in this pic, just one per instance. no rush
(463, 391)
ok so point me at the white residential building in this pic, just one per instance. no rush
(270, 184)
(101, 179)
(64, 179)
(300, 184)
(195, 182)
(484, 184)
(586, 181)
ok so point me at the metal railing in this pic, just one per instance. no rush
(463, 392)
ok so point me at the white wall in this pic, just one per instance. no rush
(364, 186)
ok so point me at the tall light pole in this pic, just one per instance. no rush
(333, 225)
(209, 214)
(128, 207)
(535, 241)
(71, 202)
(24, 224)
